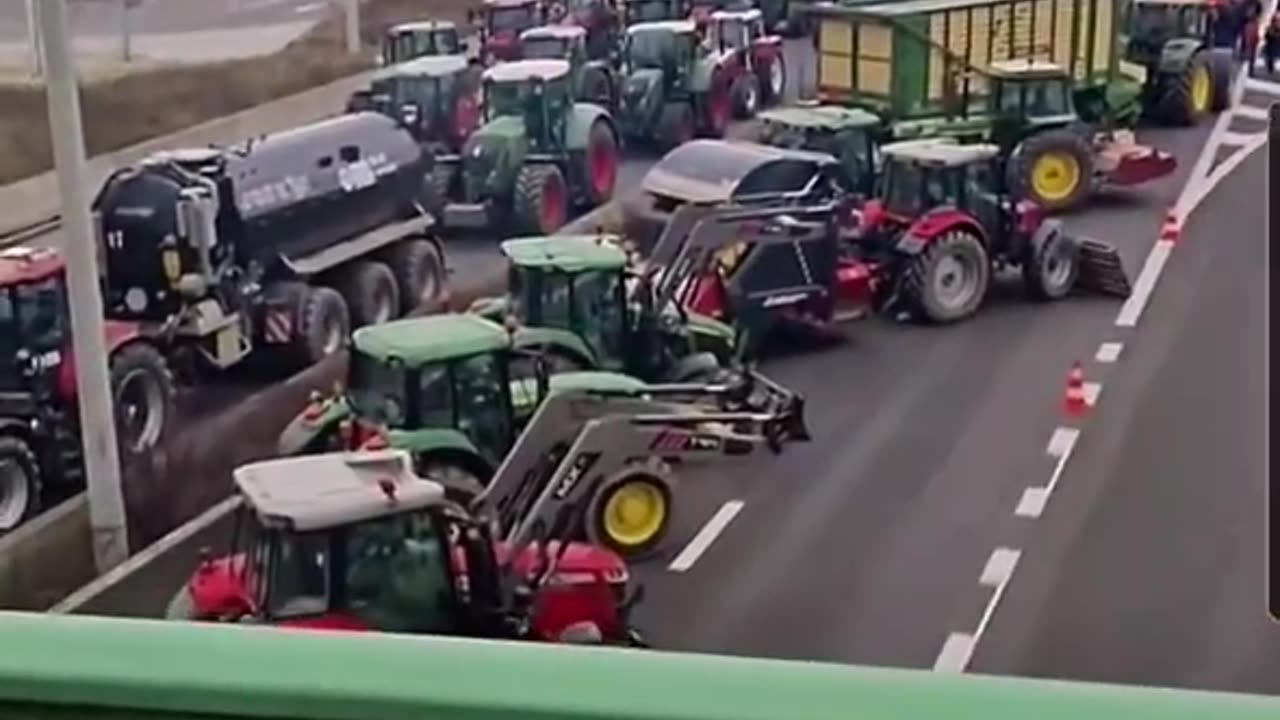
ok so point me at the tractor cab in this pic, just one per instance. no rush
(848, 134)
(407, 41)
(554, 42)
(921, 176)
(501, 22)
(599, 18)
(358, 542)
(735, 30)
(640, 11)
(1151, 24)
(757, 64)
(34, 322)
(1030, 94)
(433, 97)
(535, 90)
(669, 45)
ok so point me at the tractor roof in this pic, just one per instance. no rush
(567, 253)
(24, 265)
(428, 65)
(939, 152)
(822, 117)
(422, 26)
(1026, 68)
(741, 15)
(558, 32)
(707, 171)
(522, 70)
(420, 340)
(508, 3)
(1206, 3)
(314, 492)
(679, 27)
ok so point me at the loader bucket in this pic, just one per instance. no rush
(1101, 270)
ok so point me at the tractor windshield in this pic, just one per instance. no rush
(483, 402)
(910, 189)
(297, 571)
(651, 49)
(377, 390)
(509, 98)
(407, 45)
(398, 577)
(1034, 98)
(41, 309)
(730, 35)
(544, 48)
(515, 18)
(589, 304)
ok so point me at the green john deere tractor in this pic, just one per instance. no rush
(434, 97)
(539, 155)
(851, 135)
(593, 81)
(674, 87)
(1184, 78)
(407, 41)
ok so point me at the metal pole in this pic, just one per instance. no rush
(33, 37)
(97, 420)
(353, 27)
(126, 31)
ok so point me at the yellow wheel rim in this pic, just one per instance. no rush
(634, 513)
(1201, 86)
(1055, 176)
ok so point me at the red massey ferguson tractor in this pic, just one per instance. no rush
(943, 225)
(39, 418)
(500, 23)
(753, 58)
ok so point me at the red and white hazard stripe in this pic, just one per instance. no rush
(669, 440)
(278, 327)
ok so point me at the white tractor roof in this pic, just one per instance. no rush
(315, 492)
(740, 15)
(423, 26)
(944, 152)
(559, 32)
(675, 26)
(508, 3)
(521, 70)
(1026, 66)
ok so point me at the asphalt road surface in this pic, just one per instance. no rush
(91, 18)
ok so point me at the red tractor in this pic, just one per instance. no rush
(600, 18)
(39, 418)
(500, 23)
(754, 59)
(943, 224)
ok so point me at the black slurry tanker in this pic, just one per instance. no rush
(282, 244)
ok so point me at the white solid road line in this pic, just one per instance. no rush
(1033, 500)
(957, 651)
(1251, 112)
(707, 535)
(1109, 352)
(1137, 301)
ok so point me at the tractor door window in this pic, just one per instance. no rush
(377, 389)
(504, 99)
(398, 577)
(1047, 97)
(1011, 100)
(446, 43)
(483, 415)
(42, 313)
(435, 397)
(299, 574)
(907, 189)
(598, 311)
(556, 311)
(651, 49)
(545, 49)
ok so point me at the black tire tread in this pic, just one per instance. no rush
(143, 354)
(359, 284)
(916, 276)
(315, 303)
(412, 261)
(528, 196)
(18, 448)
(1056, 140)
(1174, 103)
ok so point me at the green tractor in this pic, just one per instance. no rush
(674, 87)
(539, 154)
(1184, 78)
(407, 41)
(434, 97)
(1051, 155)
(593, 81)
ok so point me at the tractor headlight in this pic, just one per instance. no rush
(135, 299)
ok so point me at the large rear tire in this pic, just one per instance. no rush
(370, 291)
(20, 483)
(1222, 69)
(1053, 263)
(601, 164)
(1187, 98)
(419, 269)
(773, 82)
(631, 512)
(541, 199)
(746, 96)
(142, 387)
(948, 280)
(1054, 169)
(324, 325)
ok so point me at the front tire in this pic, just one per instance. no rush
(541, 199)
(773, 81)
(631, 512)
(20, 483)
(746, 96)
(418, 267)
(142, 387)
(1053, 265)
(1054, 169)
(948, 280)
(1187, 98)
(324, 327)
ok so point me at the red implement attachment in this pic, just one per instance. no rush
(1122, 161)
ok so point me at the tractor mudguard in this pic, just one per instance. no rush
(579, 121)
(490, 308)
(119, 332)
(1175, 55)
(692, 366)
(318, 419)
(1101, 269)
(935, 224)
(556, 340)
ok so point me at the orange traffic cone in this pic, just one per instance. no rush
(1171, 230)
(1075, 403)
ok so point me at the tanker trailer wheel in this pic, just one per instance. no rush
(948, 280)
(143, 388)
(773, 81)
(1053, 263)
(323, 327)
(419, 270)
(370, 291)
(1186, 98)
(1222, 70)
(1054, 169)
(746, 96)
(541, 199)
(20, 483)
(631, 511)
(601, 160)
(676, 125)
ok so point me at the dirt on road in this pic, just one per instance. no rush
(125, 109)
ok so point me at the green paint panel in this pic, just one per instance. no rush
(566, 253)
(420, 340)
